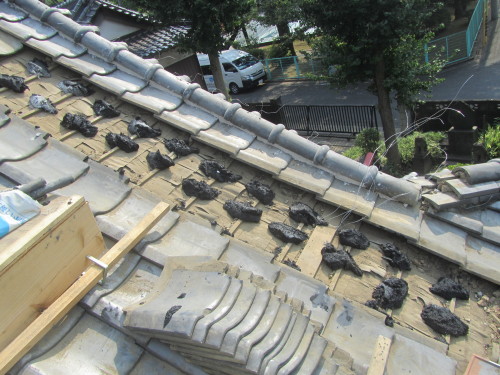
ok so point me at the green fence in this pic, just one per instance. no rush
(457, 47)
(292, 67)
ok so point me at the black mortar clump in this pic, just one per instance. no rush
(156, 160)
(199, 189)
(80, 124)
(15, 83)
(448, 289)
(443, 321)
(389, 322)
(243, 211)
(391, 293)
(339, 259)
(122, 141)
(353, 238)
(287, 233)
(75, 88)
(372, 304)
(395, 257)
(41, 102)
(292, 264)
(104, 109)
(302, 213)
(38, 67)
(180, 147)
(211, 168)
(260, 191)
(142, 130)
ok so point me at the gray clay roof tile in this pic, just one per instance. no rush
(87, 64)
(9, 13)
(8, 44)
(56, 46)
(28, 28)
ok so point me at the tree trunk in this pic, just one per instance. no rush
(284, 33)
(216, 68)
(245, 34)
(385, 110)
(460, 8)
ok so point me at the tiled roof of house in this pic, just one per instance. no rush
(147, 43)
(84, 11)
(323, 309)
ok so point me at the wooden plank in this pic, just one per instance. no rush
(16, 243)
(380, 355)
(47, 267)
(59, 308)
(310, 258)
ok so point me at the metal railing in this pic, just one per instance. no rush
(457, 47)
(322, 119)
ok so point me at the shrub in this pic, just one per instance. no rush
(354, 152)
(406, 145)
(368, 140)
(277, 50)
(491, 140)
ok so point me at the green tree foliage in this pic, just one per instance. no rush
(280, 13)
(491, 139)
(212, 22)
(376, 41)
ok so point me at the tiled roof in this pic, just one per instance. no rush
(84, 11)
(343, 191)
(148, 43)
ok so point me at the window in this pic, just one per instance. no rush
(229, 68)
(206, 70)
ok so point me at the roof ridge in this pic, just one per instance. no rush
(400, 190)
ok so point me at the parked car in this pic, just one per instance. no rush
(240, 70)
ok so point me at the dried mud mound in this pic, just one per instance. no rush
(218, 172)
(104, 109)
(142, 130)
(41, 102)
(391, 293)
(287, 233)
(443, 321)
(395, 257)
(156, 160)
(122, 141)
(243, 211)
(38, 67)
(179, 147)
(199, 189)
(302, 213)
(74, 88)
(80, 124)
(448, 289)
(15, 83)
(353, 238)
(260, 191)
(339, 259)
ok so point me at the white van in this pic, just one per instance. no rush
(240, 70)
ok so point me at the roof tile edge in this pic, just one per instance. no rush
(399, 190)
